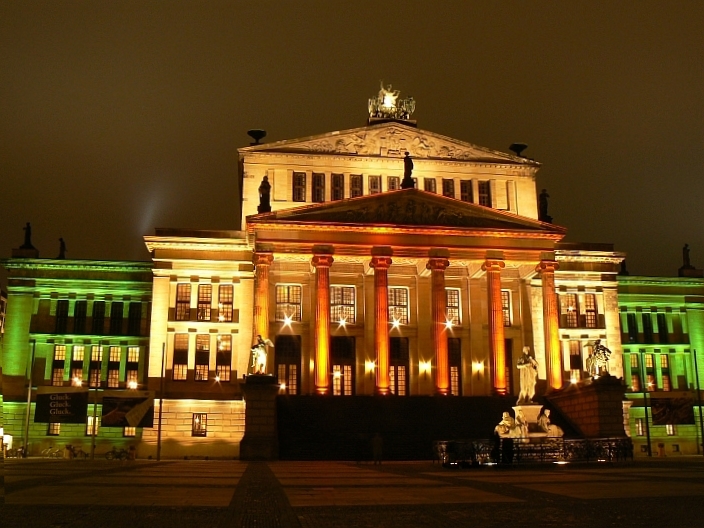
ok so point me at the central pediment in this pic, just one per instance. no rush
(405, 208)
(391, 139)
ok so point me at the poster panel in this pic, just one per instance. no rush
(128, 409)
(61, 405)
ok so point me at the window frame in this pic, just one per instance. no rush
(342, 309)
(283, 306)
(182, 308)
(199, 425)
(395, 308)
(298, 191)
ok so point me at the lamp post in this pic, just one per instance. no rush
(645, 401)
(29, 400)
(161, 402)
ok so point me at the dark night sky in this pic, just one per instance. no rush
(119, 117)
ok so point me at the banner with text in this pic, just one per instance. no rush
(61, 405)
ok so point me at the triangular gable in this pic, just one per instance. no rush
(391, 139)
(409, 207)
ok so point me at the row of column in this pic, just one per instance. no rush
(380, 263)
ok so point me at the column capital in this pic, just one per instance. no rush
(549, 266)
(493, 265)
(437, 264)
(381, 262)
(322, 261)
(263, 258)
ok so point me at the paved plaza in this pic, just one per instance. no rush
(59, 493)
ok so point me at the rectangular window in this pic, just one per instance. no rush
(225, 300)
(506, 306)
(454, 354)
(223, 357)
(399, 365)
(429, 185)
(288, 360)
(205, 299)
(94, 378)
(374, 184)
(180, 368)
(61, 317)
(663, 333)
(652, 385)
(649, 361)
(199, 425)
(575, 359)
(590, 310)
(671, 430)
(485, 193)
(338, 187)
(342, 358)
(393, 183)
(131, 377)
(133, 354)
(398, 305)
(96, 354)
(183, 302)
(640, 427)
(57, 377)
(569, 310)
(356, 188)
(453, 305)
(342, 304)
(448, 187)
(632, 326)
(666, 383)
(635, 383)
(54, 429)
(98, 317)
(647, 327)
(633, 359)
(76, 377)
(318, 187)
(80, 311)
(129, 432)
(664, 361)
(116, 315)
(202, 357)
(288, 302)
(466, 193)
(115, 354)
(59, 353)
(299, 186)
(93, 426)
(113, 378)
(134, 319)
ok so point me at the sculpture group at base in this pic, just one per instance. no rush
(598, 360)
(258, 355)
(525, 428)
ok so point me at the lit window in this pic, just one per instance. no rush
(454, 354)
(664, 361)
(131, 377)
(666, 382)
(590, 309)
(115, 354)
(183, 302)
(57, 377)
(288, 302)
(506, 306)
(199, 425)
(393, 183)
(78, 353)
(633, 358)
(338, 187)
(429, 184)
(96, 354)
(225, 300)
(57, 374)
(355, 185)
(223, 357)
(374, 184)
(129, 432)
(484, 193)
(205, 298)
(652, 385)
(54, 429)
(576, 363)
(649, 361)
(671, 430)
(90, 429)
(180, 368)
(202, 357)
(635, 383)
(342, 304)
(448, 187)
(94, 378)
(569, 310)
(640, 427)
(318, 187)
(59, 352)
(299, 186)
(133, 354)
(76, 377)
(113, 378)
(453, 305)
(398, 305)
(466, 194)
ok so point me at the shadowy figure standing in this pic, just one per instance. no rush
(27, 237)
(543, 215)
(264, 196)
(407, 182)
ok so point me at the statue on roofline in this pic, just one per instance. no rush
(388, 105)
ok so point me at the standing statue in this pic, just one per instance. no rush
(553, 431)
(598, 359)
(521, 428)
(387, 96)
(685, 257)
(258, 354)
(264, 196)
(543, 215)
(27, 237)
(528, 369)
(62, 249)
(407, 182)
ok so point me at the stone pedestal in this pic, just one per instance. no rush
(261, 440)
(593, 406)
(530, 411)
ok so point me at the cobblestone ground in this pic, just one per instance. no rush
(82, 494)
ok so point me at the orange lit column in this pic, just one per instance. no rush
(497, 346)
(381, 321)
(322, 265)
(437, 268)
(261, 261)
(553, 356)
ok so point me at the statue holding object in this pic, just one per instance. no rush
(528, 369)
(259, 355)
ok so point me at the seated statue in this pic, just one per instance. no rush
(504, 427)
(553, 431)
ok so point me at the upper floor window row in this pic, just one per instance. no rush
(580, 310)
(653, 328)
(99, 317)
(203, 307)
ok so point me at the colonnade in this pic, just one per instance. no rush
(381, 260)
